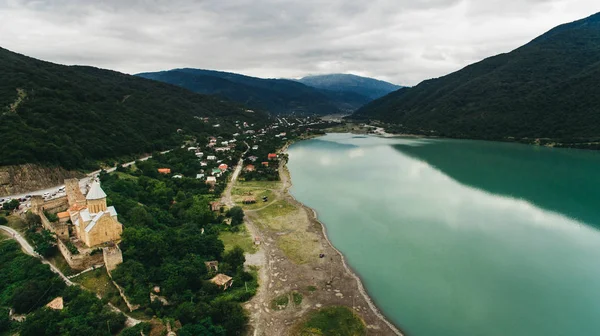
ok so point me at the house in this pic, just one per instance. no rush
(236, 134)
(249, 200)
(211, 180)
(249, 168)
(266, 164)
(216, 172)
(252, 158)
(192, 148)
(215, 206)
(178, 176)
(223, 167)
(211, 158)
(212, 265)
(222, 149)
(255, 147)
(164, 170)
(199, 176)
(217, 125)
(199, 155)
(222, 280)
(272, 156)
(203, 164)
(224, 143)
(56, 304)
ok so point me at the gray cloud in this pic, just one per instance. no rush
(403, 41)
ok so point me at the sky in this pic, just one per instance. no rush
(401, 41)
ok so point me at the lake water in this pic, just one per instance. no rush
(456, 237)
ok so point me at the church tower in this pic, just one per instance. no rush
(96, 199)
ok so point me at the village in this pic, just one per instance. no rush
(85, 221)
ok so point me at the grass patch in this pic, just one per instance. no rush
(280, 302)
(242, 239)
(277, 209)
(297, 298)
(59, 261)
(16, 223)
(331, 321)
(260, 184)
(311, 289)
(300, 247)
(97, 281)
(125, 176)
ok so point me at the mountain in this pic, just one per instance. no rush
(368, 87)
(548, 89)
(277, 96)
(72, 116)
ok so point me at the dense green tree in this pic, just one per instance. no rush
(237, 215)
(205, 328)
(44, 242)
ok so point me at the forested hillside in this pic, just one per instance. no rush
(72, 115)
(364, 86)
(546, 91)
(277, 96)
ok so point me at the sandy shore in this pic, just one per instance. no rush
(347, 268)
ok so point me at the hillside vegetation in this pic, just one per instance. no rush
(72, 116)
(547, 90)
(277, 96)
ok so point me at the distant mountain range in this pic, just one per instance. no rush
(547, 90)
(364, 86)
(73, 115)
(332, 94)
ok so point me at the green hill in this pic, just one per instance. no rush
(278, 96)
(548, 89)
(73, 115)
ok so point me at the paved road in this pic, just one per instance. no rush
(29, 250)
(82, 183)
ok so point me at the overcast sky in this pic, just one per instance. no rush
(402, 41)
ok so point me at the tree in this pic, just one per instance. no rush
(43, 242)
(235, 258)
(13, 204)
(32, 220)
(205, 328)
(237, 215)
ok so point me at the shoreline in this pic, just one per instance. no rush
(364, 293)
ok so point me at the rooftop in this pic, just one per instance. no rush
(95, 192)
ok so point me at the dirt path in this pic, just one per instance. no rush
(322, 282)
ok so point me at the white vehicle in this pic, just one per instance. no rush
(46, 195)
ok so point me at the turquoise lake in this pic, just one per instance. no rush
(458, 237)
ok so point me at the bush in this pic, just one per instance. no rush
(3, 220)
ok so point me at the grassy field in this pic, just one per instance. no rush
(278, 209)
(238, 195)
(16, 223)
(59, 261)
(97, 281)
(125, 176)
(331, 321)
(241, 239)
(300, 246)
(259, 184)
(280, 302)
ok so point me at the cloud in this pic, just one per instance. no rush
(403, 41)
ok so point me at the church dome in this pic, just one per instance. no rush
(95, 192)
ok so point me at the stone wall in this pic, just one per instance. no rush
(39, 205)
(112, 257)
(81, 261)
(61, 229)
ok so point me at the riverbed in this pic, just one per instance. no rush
(457, 237)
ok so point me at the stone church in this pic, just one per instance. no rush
(93, 221)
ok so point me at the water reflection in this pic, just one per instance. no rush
(563, 181)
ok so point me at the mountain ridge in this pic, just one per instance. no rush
(545, 89)
(71, 116)
(369, 87)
